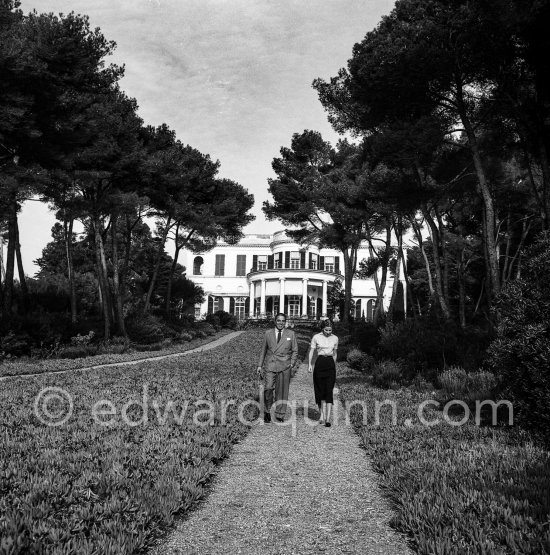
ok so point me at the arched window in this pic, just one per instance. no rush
(197, 266)
(370, 310)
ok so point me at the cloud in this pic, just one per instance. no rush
(232, 77)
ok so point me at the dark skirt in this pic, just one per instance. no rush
(324, 378)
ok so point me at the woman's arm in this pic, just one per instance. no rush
(311, 351)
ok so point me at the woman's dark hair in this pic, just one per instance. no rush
(326, 322)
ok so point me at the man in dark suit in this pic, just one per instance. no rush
(280, 354)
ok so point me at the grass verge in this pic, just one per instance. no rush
(89, 487)
(455, 489)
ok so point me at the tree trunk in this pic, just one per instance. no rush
(491, 260)
(461, 290)
(418, 234)
(116, 277)
(444, 253)
(102, 278)
(545, 166)
(157, 267)
(170, 278)
(379, 308)
(434, 234)
(399, 236)
(350, 265)
(68, 232)
(10, 257)
(20, 269)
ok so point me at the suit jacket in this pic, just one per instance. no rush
(279, 356)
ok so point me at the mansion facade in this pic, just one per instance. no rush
(265, 274)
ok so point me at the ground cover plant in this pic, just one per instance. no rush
(20, 367)
(455, 490)
(84, 487)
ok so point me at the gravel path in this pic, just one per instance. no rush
(204, 347)
(293, 488)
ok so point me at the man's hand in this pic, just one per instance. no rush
(310, 368)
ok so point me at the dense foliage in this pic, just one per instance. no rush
(520, 354)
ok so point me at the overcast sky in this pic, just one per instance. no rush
(231, 77)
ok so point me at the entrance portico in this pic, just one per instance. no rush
(298, 293)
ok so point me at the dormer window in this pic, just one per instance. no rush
(329, 263)
(295, 260)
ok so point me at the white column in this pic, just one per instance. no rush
(304, 297)
(325, 300)
(281, 294)
(251, 301)
(262, 298)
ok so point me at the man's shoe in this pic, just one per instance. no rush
(267, 417)
(280, 419)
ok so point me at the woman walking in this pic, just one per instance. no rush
(324, 374)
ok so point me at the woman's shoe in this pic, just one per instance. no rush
(328, 424)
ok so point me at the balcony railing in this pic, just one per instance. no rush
(254, 270)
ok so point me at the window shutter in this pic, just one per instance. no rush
(310, 260)
(270, 262)
(358, 309)
(247, 306)
(254, 262)
(210, 304)
(303, 261)
(337, 264)
(286, 305)
(220, 265)
(231, 305)
(241, 265)
(287, 259)
(321, 263)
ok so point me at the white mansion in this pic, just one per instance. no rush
(265, 274)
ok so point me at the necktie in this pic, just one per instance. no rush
(279, 336)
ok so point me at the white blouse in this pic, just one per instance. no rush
(324, 345)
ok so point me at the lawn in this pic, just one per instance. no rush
(97, 484)
(455, 489)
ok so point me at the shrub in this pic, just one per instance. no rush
(482, 385)
(207, 328)
(147, 329)
(184, 336)
(76, 351)
(366, 336)
(386, 373)
(428, 342)
(226, 320)
(82, 339)
(520, 354)
(359, 360)
(354, 358)
(15, 345)
(454, 382)
(214, 320)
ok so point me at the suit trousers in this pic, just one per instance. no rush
(276, 389)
